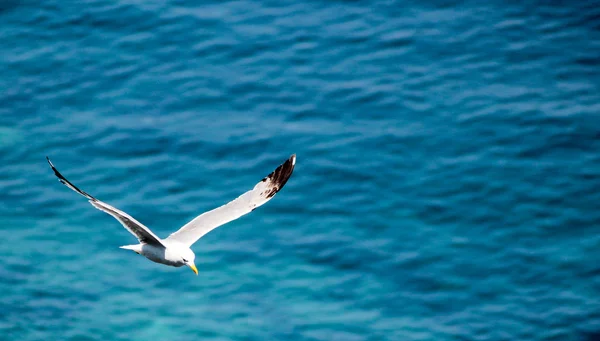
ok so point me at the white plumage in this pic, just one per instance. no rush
(175, 249)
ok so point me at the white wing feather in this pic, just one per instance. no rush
(244, 204)
(141, 232)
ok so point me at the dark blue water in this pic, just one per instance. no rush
(447, 185)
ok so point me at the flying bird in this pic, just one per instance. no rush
(175, 249)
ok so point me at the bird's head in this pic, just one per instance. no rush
(187, 257)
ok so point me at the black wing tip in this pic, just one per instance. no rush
(279, 177)
(60, 177)
(66, 182)
(56, 172)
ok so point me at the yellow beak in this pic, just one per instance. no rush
(193, 267)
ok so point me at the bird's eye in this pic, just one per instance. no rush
(185, 260)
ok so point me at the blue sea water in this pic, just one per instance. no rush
(447, 185)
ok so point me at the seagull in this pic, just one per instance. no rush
(175, 249)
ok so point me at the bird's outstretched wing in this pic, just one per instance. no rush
(246, 203)
(141, 232)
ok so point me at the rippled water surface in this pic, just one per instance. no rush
(447, 184)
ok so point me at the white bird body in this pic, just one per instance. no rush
(174, 254)
(175, 249)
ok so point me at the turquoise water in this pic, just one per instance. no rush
(447, 184)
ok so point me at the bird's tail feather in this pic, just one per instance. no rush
(136, 248)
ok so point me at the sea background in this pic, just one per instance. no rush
(447, 185)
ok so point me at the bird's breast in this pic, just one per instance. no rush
(161, 255)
